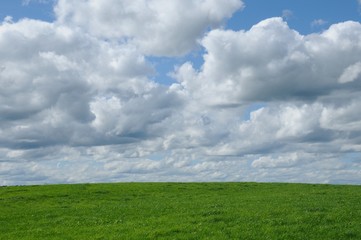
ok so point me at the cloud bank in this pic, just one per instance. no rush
(80, 100)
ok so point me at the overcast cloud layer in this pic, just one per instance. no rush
(80, 101)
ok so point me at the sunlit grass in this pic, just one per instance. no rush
(181, 211)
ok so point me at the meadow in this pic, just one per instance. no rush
(181, 211)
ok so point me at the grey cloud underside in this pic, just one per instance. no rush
(78, 103)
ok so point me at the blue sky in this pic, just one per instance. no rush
(42, 10)
(183, 90)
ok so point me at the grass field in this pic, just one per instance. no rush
(181, 211)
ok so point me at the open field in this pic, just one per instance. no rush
(181, 211)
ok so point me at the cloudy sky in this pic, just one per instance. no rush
(181, 90)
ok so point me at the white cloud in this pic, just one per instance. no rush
(351, 73)
(54, 74)
(8, 19)
(318, 22)
(287, 161)
(272, 62)
(27, 2)
(344, 118)
(157, 27)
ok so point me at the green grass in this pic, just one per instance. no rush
(181, 211)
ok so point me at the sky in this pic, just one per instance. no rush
(181, 90)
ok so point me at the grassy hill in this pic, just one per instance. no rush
(181, 211)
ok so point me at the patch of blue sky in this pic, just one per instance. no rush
(352, 157)
(19, 9)
(164, 66)
(299, 14)
(251, 108)
(158, 155)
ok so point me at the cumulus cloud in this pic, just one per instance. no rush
(161, 28)
(273, 62)
(58, 78)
